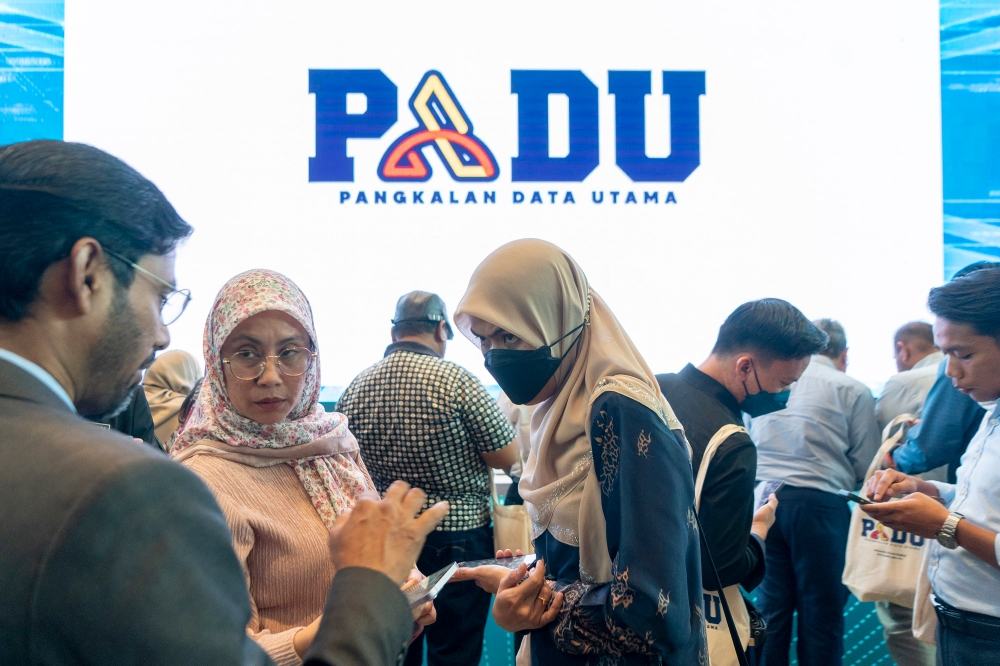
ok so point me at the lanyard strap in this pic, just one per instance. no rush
(741, 656)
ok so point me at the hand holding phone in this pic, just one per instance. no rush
(489, 573)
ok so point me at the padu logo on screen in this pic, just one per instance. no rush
(446, 126)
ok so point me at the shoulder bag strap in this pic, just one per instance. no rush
(724, 433)
(889, 441)
(741, 656)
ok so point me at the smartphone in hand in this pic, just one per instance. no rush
(765, 489)
(854, 497)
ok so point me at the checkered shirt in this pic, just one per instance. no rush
(425, 420)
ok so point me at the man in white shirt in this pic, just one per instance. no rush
(824, 440)
(964, 517)
(917, 360)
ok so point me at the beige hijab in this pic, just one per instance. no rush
(167, 383)
(534, 290)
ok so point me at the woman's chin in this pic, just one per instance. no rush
(266, 413)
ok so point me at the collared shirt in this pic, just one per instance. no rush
(905, 392)
(427, 421)
(947, 424)
(825, 438)
(410, 345)
(703, 406)
(957, 576)
(39, 373)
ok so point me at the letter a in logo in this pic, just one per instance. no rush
(443, 124)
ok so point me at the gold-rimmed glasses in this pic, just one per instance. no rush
(248, 364)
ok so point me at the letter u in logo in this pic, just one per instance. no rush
(444, 125)
(713, 609)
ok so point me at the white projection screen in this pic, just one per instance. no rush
(794, 150)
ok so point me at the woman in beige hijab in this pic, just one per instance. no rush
(167, 383)
(608, 483)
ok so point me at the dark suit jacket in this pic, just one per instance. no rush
(112, 554)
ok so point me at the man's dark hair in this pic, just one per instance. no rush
(54, 193)
(773, 328)
(917, 333)
(836, 337)
(973, 299)
(414, 327)
(976, 266)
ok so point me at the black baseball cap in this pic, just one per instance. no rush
(422, 306)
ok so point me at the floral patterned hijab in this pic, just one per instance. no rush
(315, 443)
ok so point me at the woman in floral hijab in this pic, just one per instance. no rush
(280, 466)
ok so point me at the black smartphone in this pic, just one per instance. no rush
(854, 497)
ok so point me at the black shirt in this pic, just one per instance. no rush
(136, 421)
(703, 406)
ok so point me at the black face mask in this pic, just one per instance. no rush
(762, 402)
(523, 373)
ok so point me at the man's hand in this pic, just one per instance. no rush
(763, 517)
(385, 535)
(916, 513)
(522, 606)
(888, 483)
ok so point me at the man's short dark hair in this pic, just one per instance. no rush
(917, 333)
(976, 266)
(414, 327)
(773, 328)
(836, 337)
(973, 299)
(54, 193)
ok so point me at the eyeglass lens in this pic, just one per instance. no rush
(173, 306)
(248, 364)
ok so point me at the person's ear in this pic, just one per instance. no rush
(392, 334)
(440, 335)
(902, 351)
(744, 367)
(842, 360)
(84, 278)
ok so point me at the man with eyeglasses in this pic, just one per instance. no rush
(109, 552)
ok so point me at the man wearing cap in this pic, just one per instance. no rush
(431, 422)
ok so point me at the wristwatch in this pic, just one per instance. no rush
(946, 535)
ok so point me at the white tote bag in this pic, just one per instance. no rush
(721, 651)
(511, 524)
(882, 564)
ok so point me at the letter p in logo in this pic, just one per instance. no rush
(334, 125)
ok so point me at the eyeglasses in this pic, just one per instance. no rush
(172, 304)
(249, 364)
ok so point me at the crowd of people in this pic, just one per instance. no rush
(223, 516)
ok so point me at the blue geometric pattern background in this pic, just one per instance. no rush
(970, 131)
(31, 70)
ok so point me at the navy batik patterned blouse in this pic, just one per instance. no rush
(651, 613)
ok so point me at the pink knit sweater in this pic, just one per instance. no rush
(281, 544)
